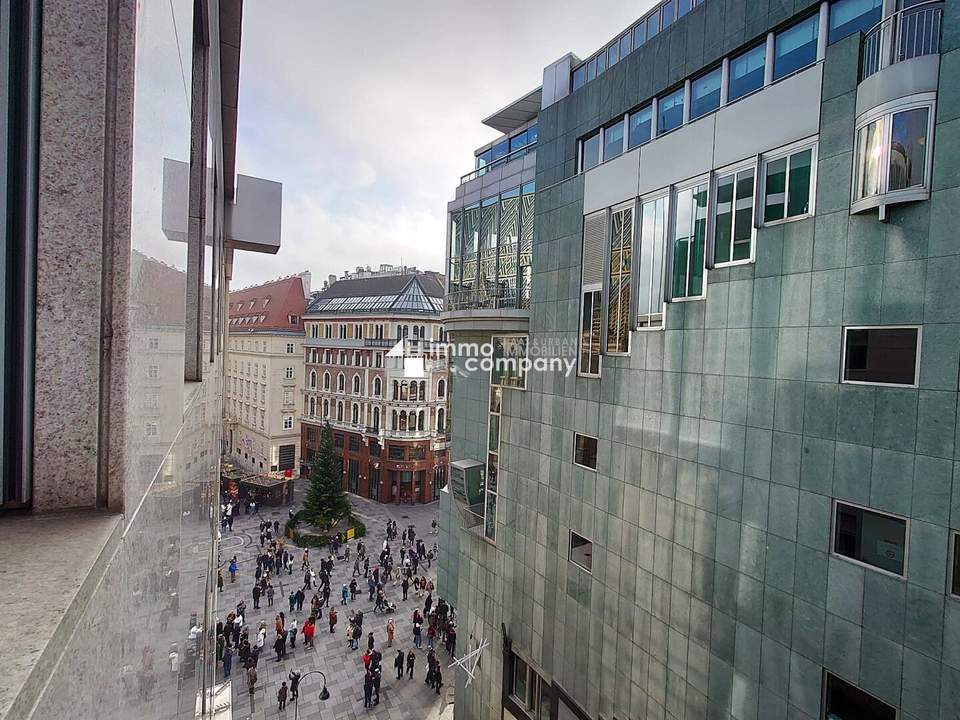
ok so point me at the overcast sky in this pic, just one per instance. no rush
(368, 112)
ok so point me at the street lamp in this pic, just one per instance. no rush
(324, 693)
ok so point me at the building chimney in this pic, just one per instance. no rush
(305, 277)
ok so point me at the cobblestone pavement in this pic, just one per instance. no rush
(399, 699)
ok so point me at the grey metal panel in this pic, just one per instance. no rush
(917, 75)
(744, 128)
(549, 96)
(253, 220)
(528, 175)
(680, 155)
(612, 182)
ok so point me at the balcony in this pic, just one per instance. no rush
(497, 309)
(909, 33)
(509, 157)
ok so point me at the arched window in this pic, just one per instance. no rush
(423, 333)
(399, 331)
(423, 389)
(416, 332)
(441, 388)
(420, 419)
(313, 407)
(393, 420)
(406, 330)
(413, 390)
(377, 386)
(355, 414)
(441, 417)
(403, 391)
(313, 380)
(326, 381)
(340, 411)
(326, 408)
(376, 418)
(356, 384)
(396, 390)
(341, 382)
(403, 420)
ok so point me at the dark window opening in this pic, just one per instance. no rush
(881, 355)
(581, 551)
(585, 451)
(847, 702)
(871, 538)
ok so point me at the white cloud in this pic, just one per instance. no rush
(369, 112)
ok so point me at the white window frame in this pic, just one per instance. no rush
(288, 422)
(906, 538)
(291, 348)
(884, 196)
(759, 202)
(952, 551)
(650, 198)
(752, 163)
(288, 373)
(608, 258)
(843, 355)
(591, 288)
(671, 233)
(593, 437)
(570, 533)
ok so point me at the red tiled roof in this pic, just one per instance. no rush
(268, 307)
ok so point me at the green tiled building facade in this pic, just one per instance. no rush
(773, 514)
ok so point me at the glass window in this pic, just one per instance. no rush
(581, 551)
(653, 242)
(746, 72)
(613, 140)
(533, 133)
(869, 154)
(641, 125)
(613, 53)
(955, 572)
(667, 13)
(653, 23)
(625, 45)
(501, 149)
(870, 537)
(509, 352)
(639, 34)
(585, 451)
(601, 61)
(591, 317)
(579, 77)
(690, 227)
(683, 7)
(788, 186)
(618, 289)
(705, 93)
(670, 111)
(733, 217)
(590, 152)
(518, 141)
(886, 355)
(591, 69)
(908, 149)
(843, 701)
(520, 674)
(850, 16)
(795, 47)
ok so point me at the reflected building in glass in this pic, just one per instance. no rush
(124, 213)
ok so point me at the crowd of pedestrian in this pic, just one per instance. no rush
(382, 577)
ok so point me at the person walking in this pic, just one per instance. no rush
(411, 659)
(344, 594)
(227, 661)
(367, 689)
(398, 664)
(437, 677)
(332, 618)
(282, 695)
(391, 629)
(232, 567)
(405, 587)
(309, 628)
(256, 597)
(370, 641)
(269, 594)
(279, 646)
(294, 678)
(293, 633)
(417, 637)
(219, 581)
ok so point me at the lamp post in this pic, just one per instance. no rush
(324, 693)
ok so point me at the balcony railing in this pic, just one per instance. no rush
(484, 298)
(518, 153)
(379, 342)
(906, 34)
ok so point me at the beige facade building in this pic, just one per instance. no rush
(264, 375)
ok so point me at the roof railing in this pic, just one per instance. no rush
(904, 35)
(510, 156)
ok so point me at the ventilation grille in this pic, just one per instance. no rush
(594, 247)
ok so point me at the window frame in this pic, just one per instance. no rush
(843, 355)
(657, 130)
(653, 122)
(592, 437)
(624, 130)
(886, 112)
(651, 197)
(598, 134)
(570, 533)
(591, 289)
(786, 151)
(759, 46)
(631, 205)
(671, 233)
(718, 69)
(834, 507)
(953, 552)
(824, 691)
(735, 169)
(813, 18)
